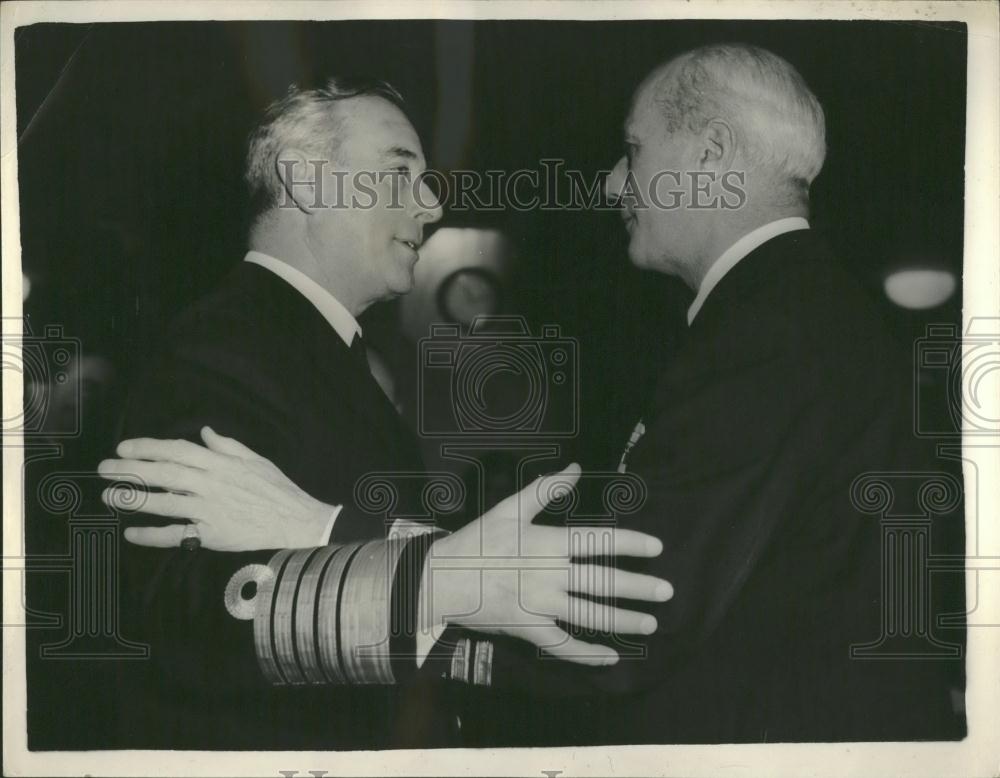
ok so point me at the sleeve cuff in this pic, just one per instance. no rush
(350, 614)
(341, 613)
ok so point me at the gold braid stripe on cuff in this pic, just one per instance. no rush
(329, 615)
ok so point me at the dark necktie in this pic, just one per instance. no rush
(358, 350)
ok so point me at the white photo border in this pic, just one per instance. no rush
(977, 755)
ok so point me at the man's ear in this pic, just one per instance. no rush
(718, 146)
(301, 180)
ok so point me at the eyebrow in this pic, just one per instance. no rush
(399, 151)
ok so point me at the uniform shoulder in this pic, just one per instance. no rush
(240, 331)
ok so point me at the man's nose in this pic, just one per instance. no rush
(615, 181)
(427, 205)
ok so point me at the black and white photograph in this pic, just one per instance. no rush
(501, 389)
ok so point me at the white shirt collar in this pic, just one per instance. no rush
(741, 248)
(329, 306)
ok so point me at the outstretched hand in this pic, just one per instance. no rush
(503, 574)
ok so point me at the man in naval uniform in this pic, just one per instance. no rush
(275, 358)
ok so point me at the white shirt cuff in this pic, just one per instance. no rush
(325, 538)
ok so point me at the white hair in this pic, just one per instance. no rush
(779, 124)
(302, 119)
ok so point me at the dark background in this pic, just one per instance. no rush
(131, 143)
(132, 139)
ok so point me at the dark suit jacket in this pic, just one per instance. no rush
(783, 391)
(256, 361)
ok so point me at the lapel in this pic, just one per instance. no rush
(345, 384)
(720, 328)
(740, 285)
(337, 367)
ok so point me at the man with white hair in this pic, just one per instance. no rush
(736, 110)
(782, 392)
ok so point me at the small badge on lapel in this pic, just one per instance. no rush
(637, 432)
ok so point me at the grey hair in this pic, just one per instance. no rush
(302, 119)
(779, 124)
